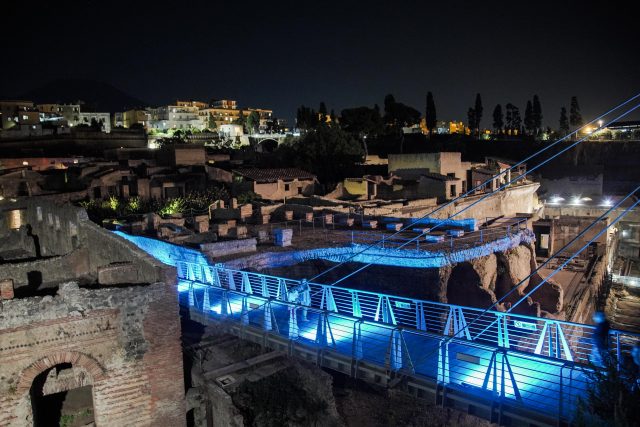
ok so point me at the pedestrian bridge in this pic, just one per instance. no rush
(506, 367)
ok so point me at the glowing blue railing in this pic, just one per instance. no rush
(534, 362)
(534, 382)
(555, 339)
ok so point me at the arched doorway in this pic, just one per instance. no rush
(60, 388)
(268, 145)
(59, 398)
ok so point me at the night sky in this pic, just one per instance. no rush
(282, 54)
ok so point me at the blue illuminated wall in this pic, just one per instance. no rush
(385, 256)
(165, 252)
(169, 253)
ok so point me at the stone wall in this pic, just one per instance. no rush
(47, 271)
(125, 342)
(509, 202)
(122, 340)
(229, 247)
(70, 246)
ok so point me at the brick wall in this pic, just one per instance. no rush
(125, 342)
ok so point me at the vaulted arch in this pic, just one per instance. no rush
(76, 359)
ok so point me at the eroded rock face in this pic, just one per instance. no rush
(518, 266)
(466, 287)
(487, 269)
(550, 295)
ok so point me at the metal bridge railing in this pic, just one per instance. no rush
(556, 339)
(544, 384)
(319, 230)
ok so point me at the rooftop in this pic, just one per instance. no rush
(624, 124)
(439, 177)
(274, 175)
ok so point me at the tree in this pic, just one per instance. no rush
(211, 122)
(575, 118)
(241, 120)
(478, 113)
(528, 118)
(253, 122)
(509, 117)
(399, 115)
(389, 102)
(430, 117)
(498, 119)
(361, 121)
(96, 125)
(537, 114)
(329, 152)
(517, 120)
(513, 120)
(471, 119)
(322, 112)
(564, 122)
(306, 118)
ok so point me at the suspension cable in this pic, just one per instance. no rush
(474, 203)
(472, 190)
(570, 243)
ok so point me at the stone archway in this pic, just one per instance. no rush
(81, 360)
(60, 386)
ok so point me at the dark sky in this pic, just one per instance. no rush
(283, 54)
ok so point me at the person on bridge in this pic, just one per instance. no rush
(600, 340)
(635, 356)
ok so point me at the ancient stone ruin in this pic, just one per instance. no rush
(89, 324)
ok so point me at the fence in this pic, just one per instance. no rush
(319, 229)
(547, 385)
(556, 339)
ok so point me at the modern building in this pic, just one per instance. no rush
(129, 118)
(192, 104)
(225, 104)
(15, 114)
(199, 115)
(175, 117)
(69, 112)
(74, 116)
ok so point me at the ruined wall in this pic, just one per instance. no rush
(228, 247)
(71, 246)
(510, 202)
(125, 342)
(48, 270)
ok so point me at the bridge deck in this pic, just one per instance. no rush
(533, 382)
(525, 362)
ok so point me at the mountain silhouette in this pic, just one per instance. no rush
(95, 96)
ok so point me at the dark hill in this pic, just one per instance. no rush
(96, 96)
